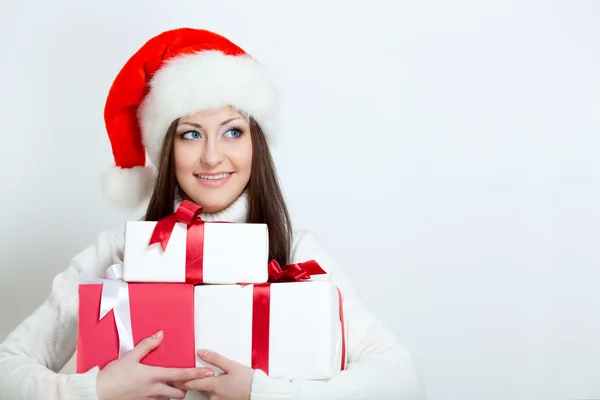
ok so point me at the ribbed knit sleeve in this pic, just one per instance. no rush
(34, 353)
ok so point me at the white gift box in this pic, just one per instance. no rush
(305, 335)
(233, 253)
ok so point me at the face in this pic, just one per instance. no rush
(213, 157)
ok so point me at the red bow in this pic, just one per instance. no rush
(294, 272)
(187, 213)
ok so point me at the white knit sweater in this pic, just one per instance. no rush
(31, 356)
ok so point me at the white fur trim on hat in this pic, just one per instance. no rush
(128, 188)
(207, 80)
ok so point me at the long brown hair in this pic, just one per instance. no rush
(266, 201)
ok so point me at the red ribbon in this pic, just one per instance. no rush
(294, 272)
(343, 329)
(189, 214)
(261, 317)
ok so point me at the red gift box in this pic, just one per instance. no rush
(153, 307)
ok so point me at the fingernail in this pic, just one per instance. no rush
(157, 335)
(209, 373)
(202, 353)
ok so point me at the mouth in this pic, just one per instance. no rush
(214, 176)
(214, 180)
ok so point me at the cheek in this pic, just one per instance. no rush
(243, 159)
(184, 161)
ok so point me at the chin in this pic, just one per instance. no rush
(212, 205)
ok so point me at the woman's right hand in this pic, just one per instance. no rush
(128, 379)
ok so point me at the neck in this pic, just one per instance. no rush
(237, 212)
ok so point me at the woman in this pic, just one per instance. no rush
(204, 112)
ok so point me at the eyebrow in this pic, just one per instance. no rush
(198, 126)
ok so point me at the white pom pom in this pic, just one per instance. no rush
(128, 188)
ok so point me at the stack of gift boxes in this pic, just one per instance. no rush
(210, 285)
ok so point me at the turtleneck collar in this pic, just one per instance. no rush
(237, 212)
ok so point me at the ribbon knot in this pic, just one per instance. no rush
(294, 272)
(187, 213)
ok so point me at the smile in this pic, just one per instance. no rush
(214, 177)
(214, 180)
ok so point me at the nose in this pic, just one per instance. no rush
(211, 154)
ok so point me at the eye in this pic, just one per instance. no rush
(191, 135)
(234, 133)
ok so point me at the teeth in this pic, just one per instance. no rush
(211, 177)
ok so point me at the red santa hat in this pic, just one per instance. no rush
(177, 73)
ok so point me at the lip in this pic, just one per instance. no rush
(214, 173)
(213, 183)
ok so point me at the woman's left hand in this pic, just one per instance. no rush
(234, 384)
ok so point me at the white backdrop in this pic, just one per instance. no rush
(446, 152)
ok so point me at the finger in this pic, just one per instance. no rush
(180, 374)
(217, 360)
(145, 347)
(178, 385)
(164, 390)
(201, 385)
